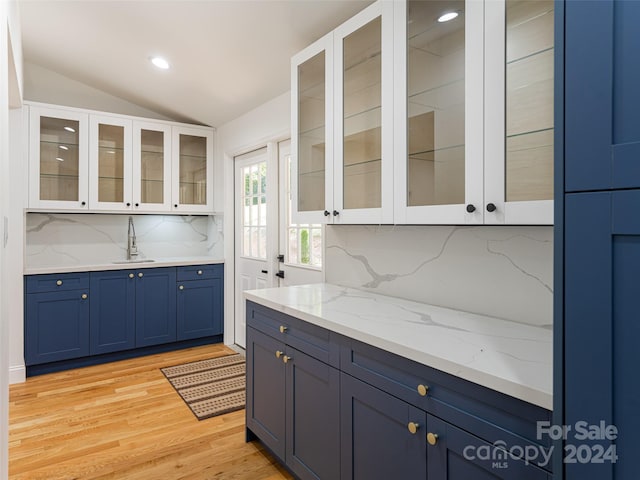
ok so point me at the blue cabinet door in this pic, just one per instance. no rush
(56, 326)
(602, 327)
(376, 441)
(458, 455)
(265, 390)
(113, 310)
(602, 98)
(312, 417)
(200, 308)
(155, 306)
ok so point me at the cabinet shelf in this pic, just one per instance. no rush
(55, 175)
(66, 144)
(533, 54)
(418, 155)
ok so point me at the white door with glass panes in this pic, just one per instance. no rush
(270, 251)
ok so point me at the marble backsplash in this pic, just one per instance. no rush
(500, 271)
(84, 239)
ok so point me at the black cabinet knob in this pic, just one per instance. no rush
(128, 204)
(137, 204)
(83, 203)
(327, 213)
(471, 208)
(175, 205)
(265, 271)
(336, 213)
(491, 207)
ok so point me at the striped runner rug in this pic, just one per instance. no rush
(210, 387)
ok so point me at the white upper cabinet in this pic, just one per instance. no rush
(110, 164)
(342, 123)
(90, 161)
(436, 120)
(58, 159)
(192, 165)
(151, 167)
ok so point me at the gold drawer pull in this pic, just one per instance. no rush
(84, 296)
(283, 329)
(432, 438)
(59, 282)
(199, 272)
(423, 390)
(131, 275)
(181, 287)
(140, 275)
(278, 353)
(286, 359)
(413, 427)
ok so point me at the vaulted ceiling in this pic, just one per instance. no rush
(226, 56)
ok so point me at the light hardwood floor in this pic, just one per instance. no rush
(124, 421)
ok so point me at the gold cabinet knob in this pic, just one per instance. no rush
(432, 438)
(131, 275)
(199, 272)
(84, 296)
(59, 282)
(278, 353)
(286, 359)
(181, 287)
(283, 329)
(413, 427)
(140, 275)
(423, 390)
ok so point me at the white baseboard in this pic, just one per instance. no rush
(17, 374)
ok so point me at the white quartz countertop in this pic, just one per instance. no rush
(110, 265)
(509, 357)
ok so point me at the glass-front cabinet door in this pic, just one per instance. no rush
(439, 111)
(58, 159)
(151, 167)
(519, 114)
(109, 163)
(363, 116)
(312, 133)
(192, 189)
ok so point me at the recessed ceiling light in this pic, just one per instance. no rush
(445, 17)
(70, 129)
(60, 159)
(63, 147)
(160, 63)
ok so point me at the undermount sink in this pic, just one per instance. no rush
(145, 260)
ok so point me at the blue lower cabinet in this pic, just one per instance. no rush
(113, 311)
(56, 326)
(383, 437)
(453, 454)
(293, 406)
(200, 308)
(155, 306)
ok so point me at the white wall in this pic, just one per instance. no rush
(10, 83)
(268, 122)
(47, 86)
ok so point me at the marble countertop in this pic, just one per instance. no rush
(109, 265)
(509, 357)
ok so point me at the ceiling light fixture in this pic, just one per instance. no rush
(445, 17)
(70, 129)
(60, 159)
(63, 147)
(160, 63)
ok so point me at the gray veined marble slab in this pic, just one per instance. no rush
(509, 357)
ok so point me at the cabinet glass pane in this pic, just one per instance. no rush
(362, 145)
(193, 170)
(152, 166)
(436, 103)
(311, 125)
(110, 163)
(529, 100)
(59, 159)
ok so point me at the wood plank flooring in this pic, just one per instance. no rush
(124, 421)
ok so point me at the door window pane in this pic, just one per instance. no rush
(254, 210)
(362, 146)
(59, 159)
(436, 103)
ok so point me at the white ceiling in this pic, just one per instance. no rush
(227, 56)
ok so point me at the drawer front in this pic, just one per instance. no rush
(197, 272)
(486, 413)
(56, 282)
(315, 341)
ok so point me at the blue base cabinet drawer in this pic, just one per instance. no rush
(56, 282)
(56, 326)
(199, 272)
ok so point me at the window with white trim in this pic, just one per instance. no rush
(254, 211)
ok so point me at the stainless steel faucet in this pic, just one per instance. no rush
(132, 247)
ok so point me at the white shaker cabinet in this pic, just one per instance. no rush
(151, 167)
